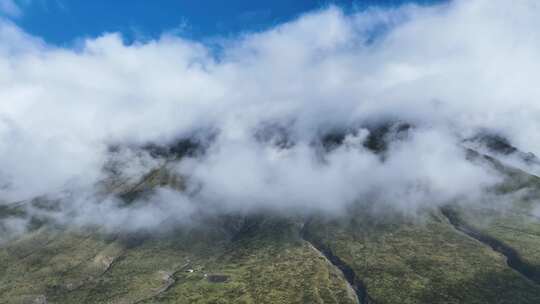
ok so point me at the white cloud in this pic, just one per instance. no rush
(449, 70)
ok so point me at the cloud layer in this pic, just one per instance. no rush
(449, 70)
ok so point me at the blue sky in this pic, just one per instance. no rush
(61, 21)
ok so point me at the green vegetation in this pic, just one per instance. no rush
(423, 260)
(431, 257)
(179, 267)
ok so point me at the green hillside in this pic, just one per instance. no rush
(442, 255)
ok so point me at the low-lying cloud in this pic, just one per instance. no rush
(448, 70)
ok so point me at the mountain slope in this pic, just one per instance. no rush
(447, 255)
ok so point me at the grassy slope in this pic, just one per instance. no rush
(400, 260)
(515, 225)
(78, 267)
(424, 261)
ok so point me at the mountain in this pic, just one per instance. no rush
(454, 253)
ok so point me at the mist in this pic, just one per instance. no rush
(262, 106)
